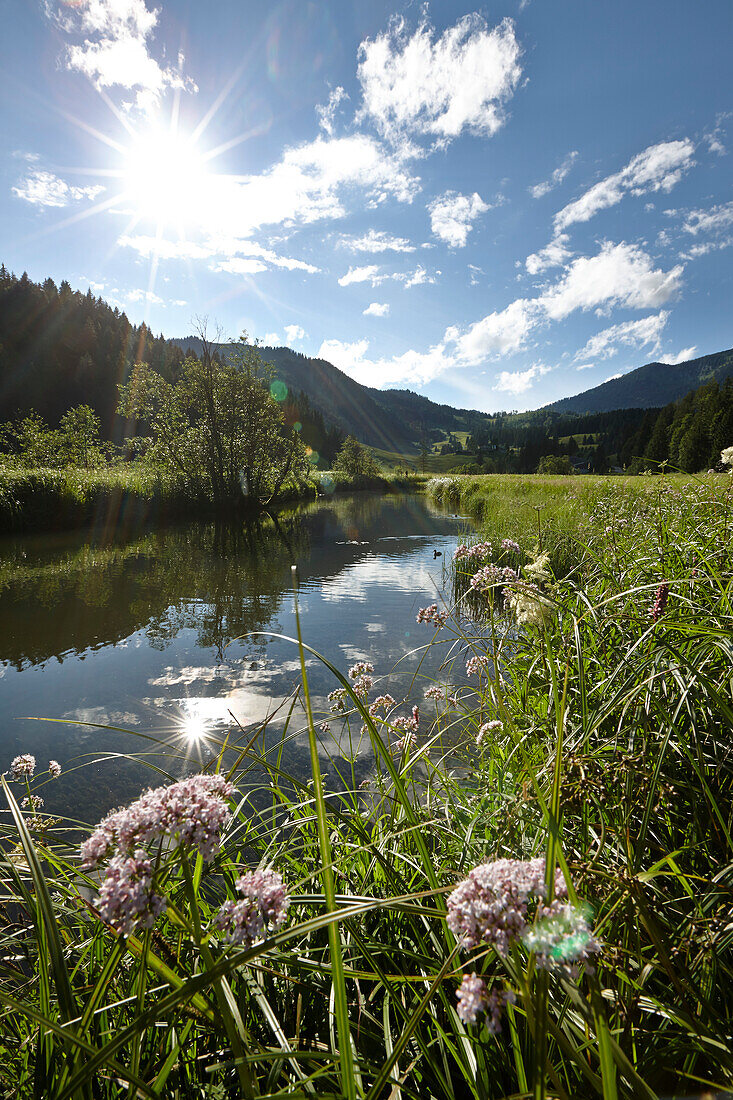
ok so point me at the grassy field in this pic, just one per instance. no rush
(550, 835)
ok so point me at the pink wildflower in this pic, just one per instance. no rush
(404, 744)
(23, 766)
(660, 602)
(474, 997)
(490, 906)
(510, 544)
(434, 692)
(432, 616)
(126, 896)
(35, 803)
(192, 811)
(54, 769)
(361, 668)
(265, 902)
(476, 665)
(362, 686)
(487, 728)
(337, 699)
(382, 702)
(324, 727)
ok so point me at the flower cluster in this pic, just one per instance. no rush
(406, 743)
(434, 692)
(264, 903)
(491, 575)
(487, 728)
(361, 668)
(476, 665)
(431, 615)
(382, 702)
(337, 700)
(474, 997)
(54, 769)
(490, 906)
(479, 550)
(660, 602)
(362, 686)
(192, 811)
(726, 456)
(23, 766)
(510, 544)
(35, 802)
(126, 897)
(562, 938)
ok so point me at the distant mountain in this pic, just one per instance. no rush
(651, 386)
(393, 420)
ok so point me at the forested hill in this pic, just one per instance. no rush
(651, 386)
(60, 348)
(394, 420)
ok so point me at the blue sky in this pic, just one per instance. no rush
(495, 206)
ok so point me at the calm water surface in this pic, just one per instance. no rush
(154, 636)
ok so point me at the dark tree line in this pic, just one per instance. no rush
(60, 348)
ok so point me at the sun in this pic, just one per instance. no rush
(165, 177)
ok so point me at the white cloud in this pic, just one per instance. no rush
(46, 189)
(637, 334)
(294, 334)
(377, 241)
(377, 309)
(680, 357)
(657, 168)
(244, 257)
(412, 367)
(697, 250)
(452, 216)
(240, 265)
(327, 114)
(619, 275)
(143, 296)
(715, 220)
(367, 274)
(371, 273)
(520, 381)
(553, 255)
(585, 366)
(415, 84)
(116, 54)
(613, 377)
(165, 250)
(544, 188)
(500, 333)
(271, 340)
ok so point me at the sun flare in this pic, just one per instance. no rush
(165, 177)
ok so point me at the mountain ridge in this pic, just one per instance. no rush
(652, 385)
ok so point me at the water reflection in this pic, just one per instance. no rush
(157, 637)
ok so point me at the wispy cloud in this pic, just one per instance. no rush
(46, 189)
(539, 190)
(415, 84)
(657, 168)
(327, 114)
(554, 254)
(376, 241)
(452, 216)
(373, 274)
(645, 332)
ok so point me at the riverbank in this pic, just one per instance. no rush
(132, 497)
(541, 909)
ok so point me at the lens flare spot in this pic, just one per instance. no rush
(278, 390)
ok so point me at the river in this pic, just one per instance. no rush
(164, 638)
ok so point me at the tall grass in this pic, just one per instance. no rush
(609, 755)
